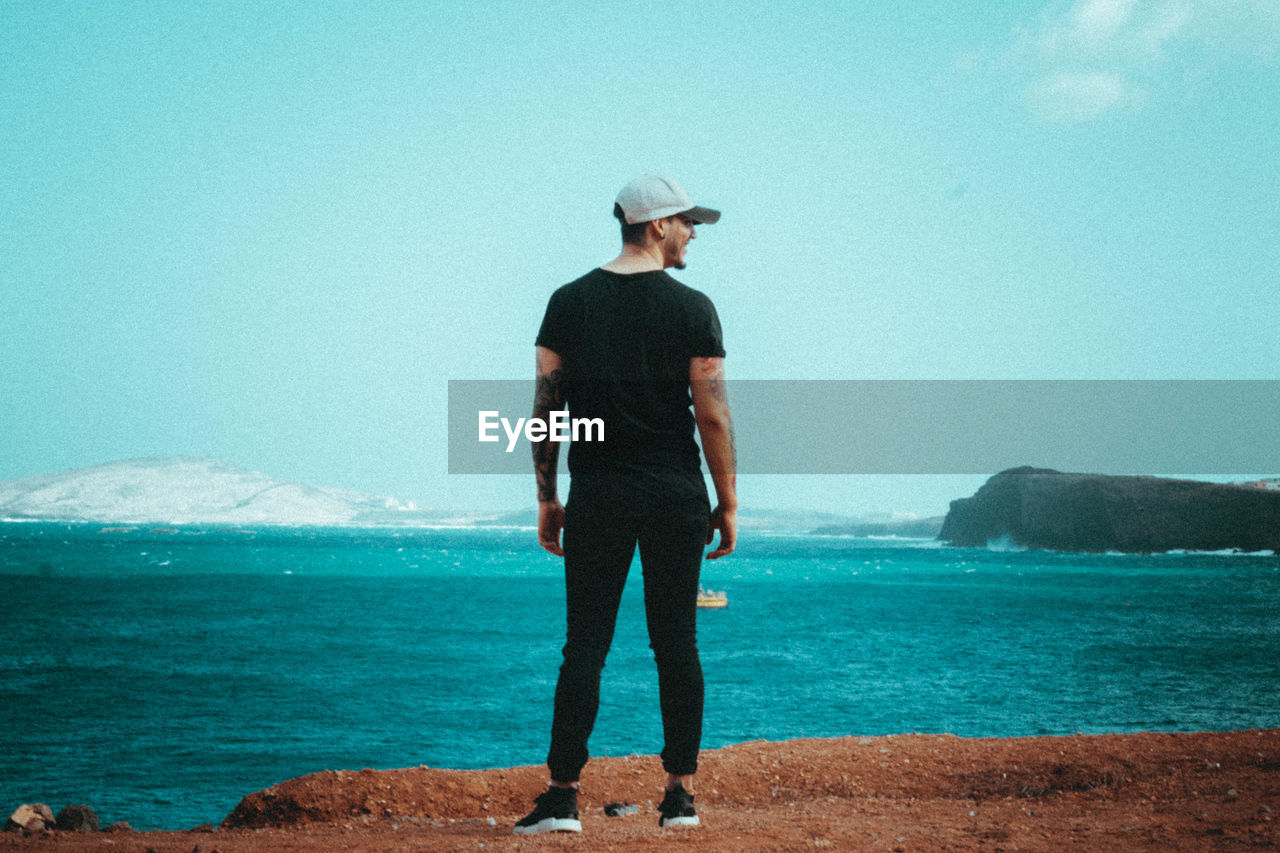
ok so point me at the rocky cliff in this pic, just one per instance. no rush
(1039, 508)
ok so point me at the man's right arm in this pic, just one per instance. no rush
(546, 453)
(715, 428)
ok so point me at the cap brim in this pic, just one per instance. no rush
(703, 215)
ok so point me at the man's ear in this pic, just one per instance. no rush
(658, 228)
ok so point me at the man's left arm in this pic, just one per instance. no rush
(549, 397)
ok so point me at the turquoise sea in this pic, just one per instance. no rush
(160, 675)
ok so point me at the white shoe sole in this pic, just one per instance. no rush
(680, 821)
(550, 824)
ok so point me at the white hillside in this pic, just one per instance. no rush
(183, 490)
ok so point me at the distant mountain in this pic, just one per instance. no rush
(189, 490)
(908, 528)
(184, 490)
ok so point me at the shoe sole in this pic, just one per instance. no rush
(550, 824)
(679, 821)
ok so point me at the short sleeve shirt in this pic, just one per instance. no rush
(625, 342)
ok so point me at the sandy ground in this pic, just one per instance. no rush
(1158, 792)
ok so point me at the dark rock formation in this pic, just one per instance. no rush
(77, 819)
(1038, 508)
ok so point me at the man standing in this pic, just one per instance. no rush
(629, 344)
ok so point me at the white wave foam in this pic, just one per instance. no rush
(1004, 544)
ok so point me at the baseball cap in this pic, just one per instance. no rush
(651, 197)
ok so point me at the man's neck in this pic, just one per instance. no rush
(636, 259)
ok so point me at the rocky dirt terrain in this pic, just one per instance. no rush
(1158, 792)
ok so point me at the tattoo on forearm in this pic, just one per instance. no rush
(548, 397)
(550, 393)
(712, 370)
(718, 391)
(546, 455)
(733, 448)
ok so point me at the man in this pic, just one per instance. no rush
(629, 344)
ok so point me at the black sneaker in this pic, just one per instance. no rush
(677, 808)
(555, 811)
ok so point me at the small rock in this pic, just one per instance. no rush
(119, 826)
(204, 827)
(1232, 793)
(29, 817)
(77, 819)
(619, 809)
(1264, 810)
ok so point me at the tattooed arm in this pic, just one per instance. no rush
(546, 453)
(715, 427)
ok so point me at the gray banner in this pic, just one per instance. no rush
(939, 426)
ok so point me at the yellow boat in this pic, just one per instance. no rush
(711, 599)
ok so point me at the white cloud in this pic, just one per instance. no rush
(1099, 21)
(1112, 30)
(1167, 22)
(1071, 98)
(1092, 56)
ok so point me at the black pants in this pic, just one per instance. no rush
(605, 518)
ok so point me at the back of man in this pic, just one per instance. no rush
(630, 345)
(625, 341)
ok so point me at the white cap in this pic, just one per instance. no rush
(651, 197)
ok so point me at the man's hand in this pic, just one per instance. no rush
(715, 427)
(550, 522)
(726, 521)
(548, 398)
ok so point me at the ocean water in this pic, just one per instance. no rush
(160, 675)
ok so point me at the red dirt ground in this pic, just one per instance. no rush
(1158, 792)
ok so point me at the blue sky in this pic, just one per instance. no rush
(271, 233)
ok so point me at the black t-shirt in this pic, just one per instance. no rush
(625, 342)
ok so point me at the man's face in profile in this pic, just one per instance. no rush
(676, 241)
